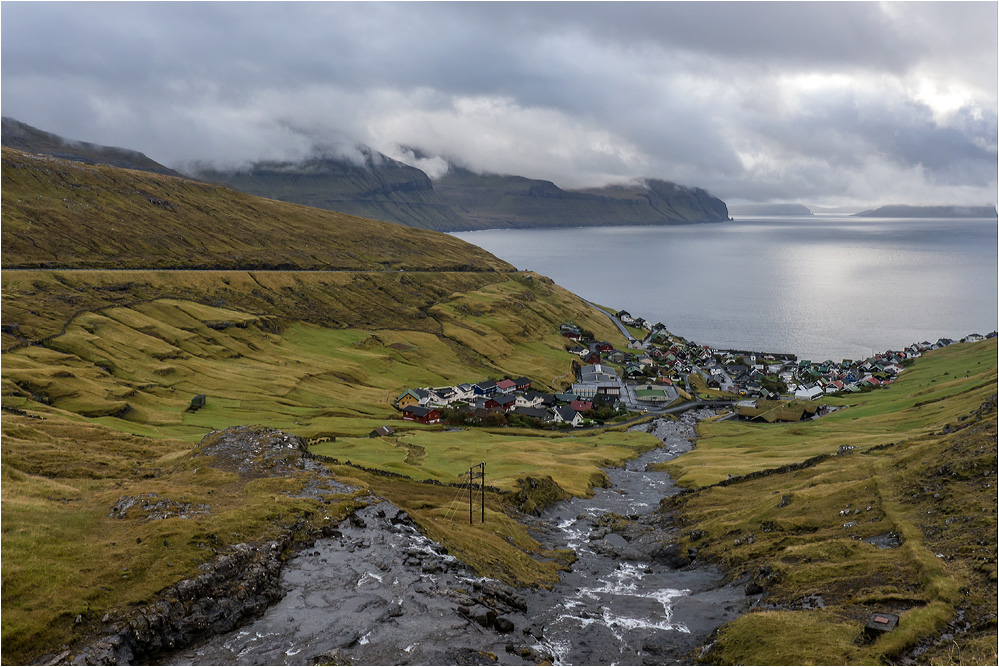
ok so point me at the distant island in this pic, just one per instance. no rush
(769, 209)
(904, 211)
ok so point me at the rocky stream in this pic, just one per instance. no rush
(377, 592)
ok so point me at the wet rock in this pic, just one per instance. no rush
(670, 555)
(482, 615)
(503, 624)
(615, 540)
(528, 653)
(331, 657)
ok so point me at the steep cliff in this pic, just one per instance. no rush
(490, 201)
(378, 188)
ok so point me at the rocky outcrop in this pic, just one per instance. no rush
(234, 587)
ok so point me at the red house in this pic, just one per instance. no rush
(505, 402)
(523, 384)
(581, 406)
(414, 413)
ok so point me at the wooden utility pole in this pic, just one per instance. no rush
(472, 475)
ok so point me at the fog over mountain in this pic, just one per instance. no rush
(836, 104)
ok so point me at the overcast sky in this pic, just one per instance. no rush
(821, 103)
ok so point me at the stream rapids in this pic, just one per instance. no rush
(380, 593)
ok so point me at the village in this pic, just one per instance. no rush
(659, 373)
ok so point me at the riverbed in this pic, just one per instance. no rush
(380, 593)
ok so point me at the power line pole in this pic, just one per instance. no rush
(473, 475)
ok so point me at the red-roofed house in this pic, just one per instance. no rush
(506, 386)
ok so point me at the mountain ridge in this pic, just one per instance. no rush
(23, 137)
(495, 200)
(381, 188)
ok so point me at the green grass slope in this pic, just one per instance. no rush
(921, 475)
(68, 215)
(99, 367)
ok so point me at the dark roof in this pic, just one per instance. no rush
(536, 413)
(417, 411)
(566, 413)
(522, 381)
(505, 400)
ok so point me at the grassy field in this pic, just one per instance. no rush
(800, 534)
(573, 462)
(915, 405)
(64, 555)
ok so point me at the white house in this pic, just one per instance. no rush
(566, 415)
(808, 393)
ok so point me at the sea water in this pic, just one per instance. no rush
(820, 287)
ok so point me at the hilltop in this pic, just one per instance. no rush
(70, 215)
(23, 137)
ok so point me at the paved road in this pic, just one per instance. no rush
(613, 318)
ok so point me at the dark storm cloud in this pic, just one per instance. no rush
(826, 101)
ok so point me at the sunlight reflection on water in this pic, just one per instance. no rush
(819, 287)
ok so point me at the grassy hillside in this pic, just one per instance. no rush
(920, 482)
(68, 215)
(99, 368)
(135, 363)
(98, 411)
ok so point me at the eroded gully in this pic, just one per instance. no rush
(380, 593)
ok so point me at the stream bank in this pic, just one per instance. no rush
(380, 593)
